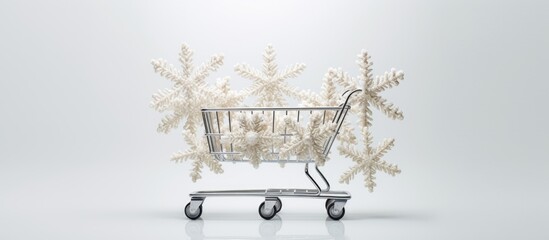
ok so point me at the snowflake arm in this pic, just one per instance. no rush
(388, 109)
(328, 95)
(164, 98)
(291, 72)
(365, 66)
(343, 79)
(372, 87)
(245, 71)
(199, 153)
(186, 60)
(206, 68)
(388, 80)
(166, 70)
(169, 122)
(224, 96)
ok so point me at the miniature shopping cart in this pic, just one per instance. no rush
(218, 123)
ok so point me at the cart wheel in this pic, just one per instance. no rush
(333, 214)
(266, 214)
(328, 202)
(192, 215)
(278, 205)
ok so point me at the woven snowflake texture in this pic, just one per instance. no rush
(251, 135)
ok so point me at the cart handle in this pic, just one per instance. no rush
(344, 105)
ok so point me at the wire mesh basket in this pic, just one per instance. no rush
(229, 137)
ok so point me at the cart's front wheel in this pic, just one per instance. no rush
(193, 215)
(266, 214)
(334, 213)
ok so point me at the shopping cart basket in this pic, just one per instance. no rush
(218, 123)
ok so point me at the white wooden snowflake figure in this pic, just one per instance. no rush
(308, 143)
(369, 161)
(252, 137)
(255, 136)
(199, 153)
(269, 85)
(371, 88)
(189, 92)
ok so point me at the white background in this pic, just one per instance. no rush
(80, 157)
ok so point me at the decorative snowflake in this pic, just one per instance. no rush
(252, 137)
(269, 85)
(329, 96)
(225, 97)
(199, 153)
(185, 99)
(307, 143)
(189, 92)
(369, 161)
(371, 88)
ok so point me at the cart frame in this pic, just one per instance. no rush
(335, 200)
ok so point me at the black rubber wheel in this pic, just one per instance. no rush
(328, 202)
(333, 214)
(264, 214)
(192, 215)
(278, 205)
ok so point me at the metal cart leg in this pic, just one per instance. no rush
(314, 181)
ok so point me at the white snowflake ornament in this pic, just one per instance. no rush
(371, 88)
(369, 161)
(199, 153)
(269, 85)
(308, 143)
(185, 99)
(252, 137)
(189, 92)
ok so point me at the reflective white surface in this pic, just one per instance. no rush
(80, 157)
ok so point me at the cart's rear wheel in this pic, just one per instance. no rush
(278, 205)
(193, 215)
(265, 214)
(333, 213)
(328, 202)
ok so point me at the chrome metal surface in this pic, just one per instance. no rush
(216, 121)
(235, 109)
(275, 192)
(216, 118)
